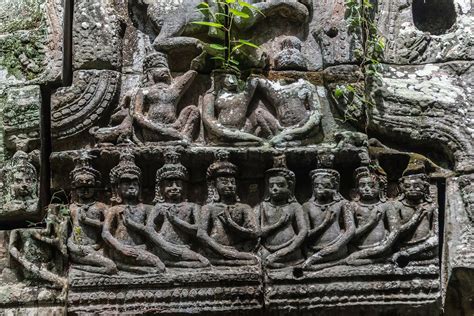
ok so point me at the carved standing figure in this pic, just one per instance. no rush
(172, 224)
(125, 246)
(85, 243)
(225, 109)
(419, 214)
(22, 182)
(282, 222)
(297, 107)
(228, 229)
(330, 220)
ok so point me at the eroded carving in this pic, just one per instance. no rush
(227, 228)
(20, 185)
(125, 245)
(282, 221)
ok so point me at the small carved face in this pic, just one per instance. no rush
(230, 83)
(414, 188)
(324, 187)
(23, 185)
(129, 188)
(226, 186)
(172, 189)
(369, 188)
(85, 187)
(160, 75)
(278, 188)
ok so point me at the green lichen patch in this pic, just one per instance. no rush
(18, 15)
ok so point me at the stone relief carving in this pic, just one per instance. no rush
(124, 241)
(227, 228)
(20, 187)
(298, 235)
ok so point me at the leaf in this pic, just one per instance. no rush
(217, 46)
(248, 43)
(233, 61)
(239, 13)
(338, 93)
(210, 24)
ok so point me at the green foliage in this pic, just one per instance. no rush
(221, 18)
(362, 26)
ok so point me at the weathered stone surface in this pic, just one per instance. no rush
(419, 32)
(429, 104)
(97, 36)
(83, 105)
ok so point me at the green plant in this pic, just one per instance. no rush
(362, 26)
(18, 15)
(221, 19)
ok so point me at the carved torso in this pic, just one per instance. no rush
(317, 214)
(232, 108)
(364, 213)
(285, 234)
(86, 234)
(220, 230)
(423, 230)
(170, 231)
(161, 100)
(292, 106)
(122, 233)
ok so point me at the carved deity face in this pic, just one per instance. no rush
(160, 75)
(172, 190)
(324, 187)
(279, 188)
(414, 188)
(369, 188)
(85, 187)
(129, 188)
(23, 185)
(230, 83)
(226, 187)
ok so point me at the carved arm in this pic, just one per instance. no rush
(317, 230)
(185, 226)
(110, 240)
(247, 232)
(373, 220)
(349, 232)
(182, 84)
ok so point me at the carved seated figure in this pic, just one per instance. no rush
(124, 245)
(228, 228)
(298, 110)
(172, 224)
(370, 208)
(282, 222)
(330, 220)
(85, 243)
(153, 109)
(417, 215)
(41, 253)
(225, 109)
(22, 181)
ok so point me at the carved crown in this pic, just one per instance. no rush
(334, 174)
(21, 163)
(280, 169)
(125, 169)
(172, 169)
(156, 60)
(222, 166)
(84, 170)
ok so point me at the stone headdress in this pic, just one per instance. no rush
(416, 169)
(281, 170)
(221, 167)
(375, 172)
(155, 60)
(84, 171)
(126, 169)
(172, 169)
